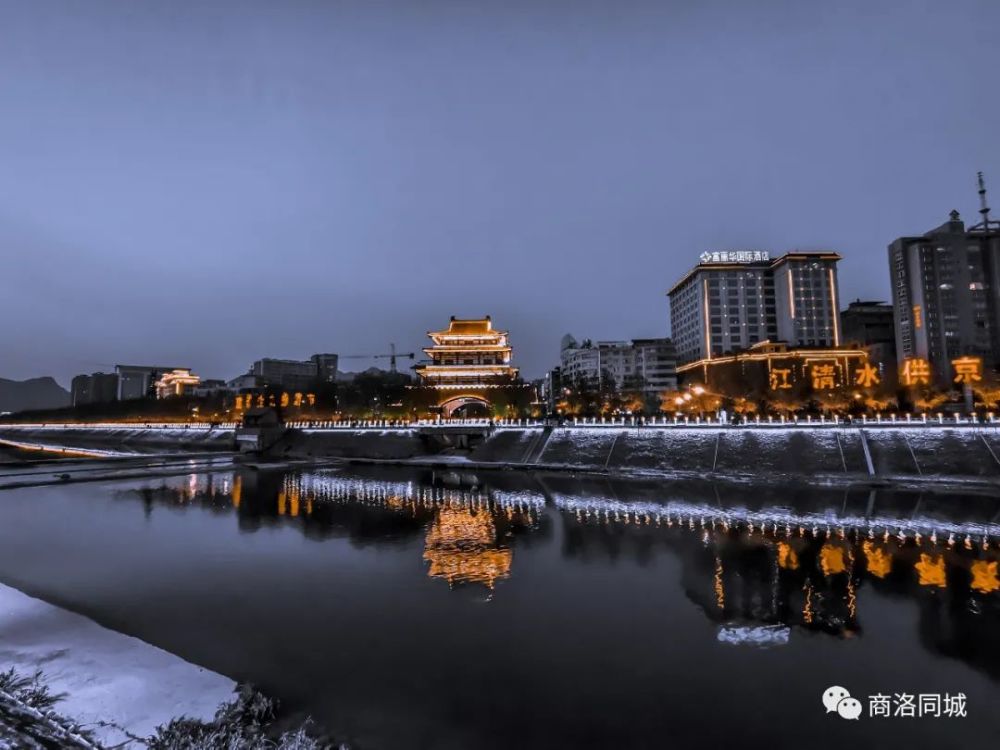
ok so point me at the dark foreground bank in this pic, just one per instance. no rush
(30, 719)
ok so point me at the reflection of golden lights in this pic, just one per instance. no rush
(931, 570)
(237, 490)
(787, 557)
(807, 611)
(984, 576)
(879, 561)
(831, 559)
(396, 502)
(282, 498)
(720, 591)
(461, 548)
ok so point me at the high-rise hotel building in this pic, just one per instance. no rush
(733, 300)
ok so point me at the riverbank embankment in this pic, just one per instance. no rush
(118, 437)
(966, 454)
(829, 455)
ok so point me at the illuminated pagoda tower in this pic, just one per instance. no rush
(467, 360)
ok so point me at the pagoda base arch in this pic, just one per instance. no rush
(465, 405)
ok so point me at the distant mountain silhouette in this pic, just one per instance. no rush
(36, 393)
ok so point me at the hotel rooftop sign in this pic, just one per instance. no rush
(736, 256)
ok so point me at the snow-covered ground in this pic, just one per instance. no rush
(106, 676)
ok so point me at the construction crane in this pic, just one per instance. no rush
(391, 356)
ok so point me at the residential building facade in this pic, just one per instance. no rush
(650, 364)
(291, 374)
(97, 388)
(871, 326)
(139, 381)
(325, 367)
(946, 296)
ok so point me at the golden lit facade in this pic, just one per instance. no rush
(176, 383)
(774, 369)
(468, 353)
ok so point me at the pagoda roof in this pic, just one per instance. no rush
(467, 327)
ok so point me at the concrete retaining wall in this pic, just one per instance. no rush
(896, 452)
(138, 439)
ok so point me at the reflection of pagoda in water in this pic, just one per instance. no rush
(461, 547)
(771, 567)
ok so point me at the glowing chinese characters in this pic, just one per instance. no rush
(968, 370)
(867, 376)
(915, 371)
(824, 376)
(779, 378)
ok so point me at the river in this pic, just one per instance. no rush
(408, 609)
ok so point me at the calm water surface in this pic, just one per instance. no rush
(414, 610)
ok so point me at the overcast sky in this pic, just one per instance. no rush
(206, 183)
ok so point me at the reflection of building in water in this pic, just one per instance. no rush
(776, 566)
(984, 576)
(740, 569)
(462, 547)
(757, 579)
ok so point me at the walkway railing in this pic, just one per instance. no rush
(937, 420)
(891, 420)
(179, 426)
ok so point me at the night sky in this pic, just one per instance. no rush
(203, 184)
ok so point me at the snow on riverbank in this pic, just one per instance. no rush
(106, 676)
